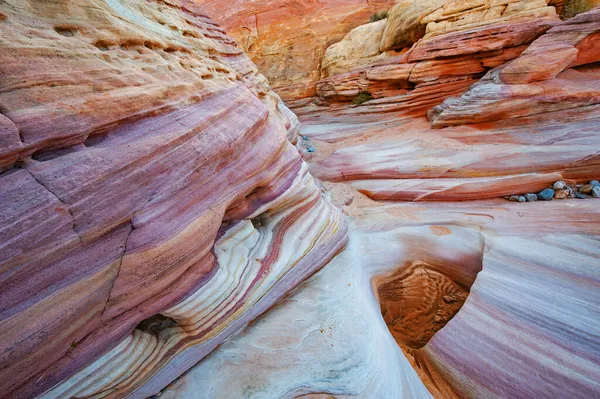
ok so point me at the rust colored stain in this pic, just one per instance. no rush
(440, 230)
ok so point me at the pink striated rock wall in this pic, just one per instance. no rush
(134, 136)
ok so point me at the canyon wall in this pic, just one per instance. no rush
(493, 103)
(158, 199)
(287, 39)
(152, 202)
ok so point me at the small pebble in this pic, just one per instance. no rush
(586, 189)
(595, 183)
(514, 198)
(546, 195)
(305, 138)
(560, 194)
(559, 185)
(596, 192)
(580, 196)
(310, 149)
(531, 197)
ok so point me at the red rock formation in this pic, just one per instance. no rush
(154, 204)
(287, 39)
(134, 135)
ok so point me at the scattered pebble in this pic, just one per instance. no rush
(310, 148)
(305, 138)
(560, 194)
(586, 189)
(546, 195)
(561, 190)
(531, 197)
(559, 185)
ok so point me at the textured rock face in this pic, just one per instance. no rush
(526, 118)
(455, 44)
(154, 206)
(287, 39)
(131, 189)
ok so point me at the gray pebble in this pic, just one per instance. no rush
(595, 183)
(580, 196)
(559, 185)
(546, 195)
(531, 197)
(596, 192)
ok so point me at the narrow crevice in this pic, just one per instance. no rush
(67, 206)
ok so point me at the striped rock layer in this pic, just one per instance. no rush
(287, 39)
(524, 125)
(152, 203)
(470, 296)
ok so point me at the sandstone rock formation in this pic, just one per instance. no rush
(287, 39)
(464, 40)
(528, 327)
(160, 225)
(129, 191)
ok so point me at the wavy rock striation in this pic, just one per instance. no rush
(155, 207)
(485, 298)
(527, 329)
(129, 191)
(500, 137)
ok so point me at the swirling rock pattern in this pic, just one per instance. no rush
(532, 312)
(126, 131)
(154, 206)
(529, 326)
(501, 135)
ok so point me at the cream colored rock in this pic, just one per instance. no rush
(404, 25)
(457, 15)
(357, 48)
(411, 20)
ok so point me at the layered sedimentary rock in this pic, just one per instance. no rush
(529, 327)
(287, 39)
(525, 124)
(451, 47)
(155, 206)
(486, 298)
(147, 175)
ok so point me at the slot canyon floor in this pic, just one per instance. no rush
(530, 271)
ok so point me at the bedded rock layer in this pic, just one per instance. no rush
(287, 39)
(148, 172)
(528, 326)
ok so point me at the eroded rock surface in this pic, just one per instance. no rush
(485, 297)
(155, 206)
(287, 39)
(148, 171)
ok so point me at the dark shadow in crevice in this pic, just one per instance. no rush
(156, 324)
